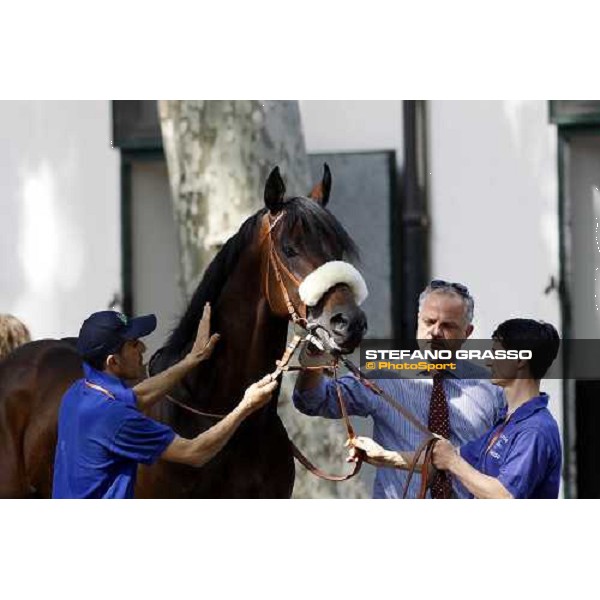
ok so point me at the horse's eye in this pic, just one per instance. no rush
(289, 251)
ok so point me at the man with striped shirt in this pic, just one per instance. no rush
(460, 406)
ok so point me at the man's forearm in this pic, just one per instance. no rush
(398, 460)
(480, 485)
(308, 380)
(148, 391)
(206, 445)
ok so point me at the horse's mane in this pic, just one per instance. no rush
(320, 228)
(212, 283)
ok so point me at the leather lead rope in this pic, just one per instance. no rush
(377, 390)
(426, 447)
(283, 365)
(193, 410)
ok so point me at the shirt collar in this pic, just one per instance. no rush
(109, 382)
(526, 410)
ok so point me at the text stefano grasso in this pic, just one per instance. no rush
(448, 354)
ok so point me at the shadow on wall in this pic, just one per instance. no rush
(60, 213)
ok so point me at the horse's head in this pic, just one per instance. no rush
(304, 263)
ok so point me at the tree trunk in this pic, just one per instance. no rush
(219, 154)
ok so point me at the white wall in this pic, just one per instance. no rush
(494, 205)
(352, 125)
(59, 213)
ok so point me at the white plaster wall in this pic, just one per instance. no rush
(494, 205)
(352, 125)
(59, 213)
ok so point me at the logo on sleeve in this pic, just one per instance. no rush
(499, 446)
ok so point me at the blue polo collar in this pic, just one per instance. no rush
(524, 411)
(109, 382)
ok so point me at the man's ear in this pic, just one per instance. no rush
(523, 365)
(469, 330)
(112, 363)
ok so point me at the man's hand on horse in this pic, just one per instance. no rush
(444, 454)
(258, 394)
(205, 343)
(372, 452)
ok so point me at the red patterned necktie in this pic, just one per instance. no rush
(439, 422)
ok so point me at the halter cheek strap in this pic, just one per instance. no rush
(275, 264)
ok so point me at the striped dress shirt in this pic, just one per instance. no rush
(473, 403)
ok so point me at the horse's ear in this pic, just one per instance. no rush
(321, 191)
(274, 191)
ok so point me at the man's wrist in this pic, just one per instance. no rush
(241, 411)
(190, 360)
(388, 458)
(455, 460)
(397, 459)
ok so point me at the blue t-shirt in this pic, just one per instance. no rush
(524, 454)
(102, 437)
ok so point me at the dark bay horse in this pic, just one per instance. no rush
(250, 311)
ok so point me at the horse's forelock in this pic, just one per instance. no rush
(319, 228)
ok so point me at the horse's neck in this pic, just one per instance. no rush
(251, 338)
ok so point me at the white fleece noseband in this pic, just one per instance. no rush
(326, 276)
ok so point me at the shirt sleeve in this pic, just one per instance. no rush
(525, 464)
(322, 400)
(141, 439)
(472, 450)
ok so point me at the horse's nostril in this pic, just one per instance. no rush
(339, 322)
(358, 326)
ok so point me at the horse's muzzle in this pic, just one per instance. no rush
(348, 327)
(342, 329)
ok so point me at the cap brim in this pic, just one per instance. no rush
(139, 327)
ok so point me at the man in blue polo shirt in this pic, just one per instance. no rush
(102, 435)
(520, 456)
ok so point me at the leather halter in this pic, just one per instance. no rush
(273, 262)
(298, 317)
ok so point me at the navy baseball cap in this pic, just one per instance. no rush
(104, 332)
